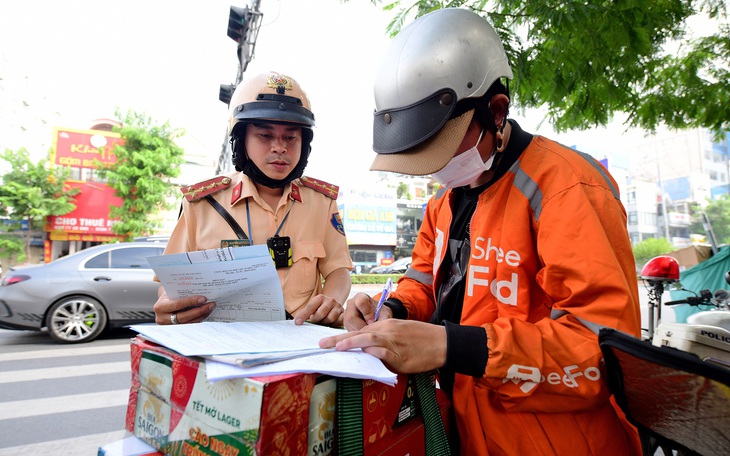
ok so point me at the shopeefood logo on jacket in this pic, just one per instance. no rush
(482, 251)
(528, 377)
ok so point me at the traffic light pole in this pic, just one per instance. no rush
(243, 28)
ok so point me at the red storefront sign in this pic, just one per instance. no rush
(91, 216)
(79, 148)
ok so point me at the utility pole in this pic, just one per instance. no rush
(243, 28)
(661, 189)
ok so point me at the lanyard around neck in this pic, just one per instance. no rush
(248, 218)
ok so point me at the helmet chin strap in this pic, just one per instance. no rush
(259, 177)
(244, 164)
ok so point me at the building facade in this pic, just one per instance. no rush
(670, 172)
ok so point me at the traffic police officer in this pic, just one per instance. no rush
(268, 201)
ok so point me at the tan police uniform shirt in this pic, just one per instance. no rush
(314, 225)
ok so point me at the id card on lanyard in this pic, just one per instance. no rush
(279, 246)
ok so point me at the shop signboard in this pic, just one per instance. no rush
(91, 216)
(369, 217)
(81, 148)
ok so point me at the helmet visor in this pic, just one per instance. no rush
(428, 156)
(399, 129)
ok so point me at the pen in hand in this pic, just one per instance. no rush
(383, 297)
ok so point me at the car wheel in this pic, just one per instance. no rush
(76, 319)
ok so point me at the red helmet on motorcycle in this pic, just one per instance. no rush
(663, 267)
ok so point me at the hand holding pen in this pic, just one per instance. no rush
(383, 297)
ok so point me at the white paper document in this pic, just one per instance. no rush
(352, 364)
(218, 338)
(242, 281)
(226, 344)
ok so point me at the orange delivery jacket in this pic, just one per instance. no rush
(551, 262)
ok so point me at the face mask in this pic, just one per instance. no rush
(464, 168)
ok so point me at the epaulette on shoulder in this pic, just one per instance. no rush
(207, 187)
(327, 189)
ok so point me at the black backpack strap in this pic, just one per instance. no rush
(228, 217)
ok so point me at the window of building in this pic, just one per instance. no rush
(631, 196)
(647, 218)
(363, 256)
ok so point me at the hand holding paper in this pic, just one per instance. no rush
(241, 280)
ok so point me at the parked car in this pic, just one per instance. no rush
(79, 296)
(396, 267)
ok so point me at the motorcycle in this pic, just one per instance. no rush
(673, 382)
(706, 333)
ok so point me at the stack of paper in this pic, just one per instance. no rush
(241, 280)
(267, 348)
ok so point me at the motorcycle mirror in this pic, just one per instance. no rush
(727, 277)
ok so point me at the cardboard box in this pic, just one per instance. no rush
(692, 255)
(410, 439)
(386, 408)
(174, 408)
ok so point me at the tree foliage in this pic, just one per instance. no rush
(146, 161)
(402, 191)
(587, 60)
(649, 248)
(29, 193)
(718, 212)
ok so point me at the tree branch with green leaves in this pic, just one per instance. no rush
(30, 192)
(146, 162)
(585, 61)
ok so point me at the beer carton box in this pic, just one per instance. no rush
(173, 407)
(410, 438)
(386, 408)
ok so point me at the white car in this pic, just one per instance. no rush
(397, 267)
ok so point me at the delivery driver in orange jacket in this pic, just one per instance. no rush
(522, 255)
(268, 199)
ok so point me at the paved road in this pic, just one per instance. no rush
(65, 399)
(61, 399)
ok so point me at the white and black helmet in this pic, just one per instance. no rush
(440, 59)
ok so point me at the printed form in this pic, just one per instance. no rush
(290, 347)
(242, 281)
